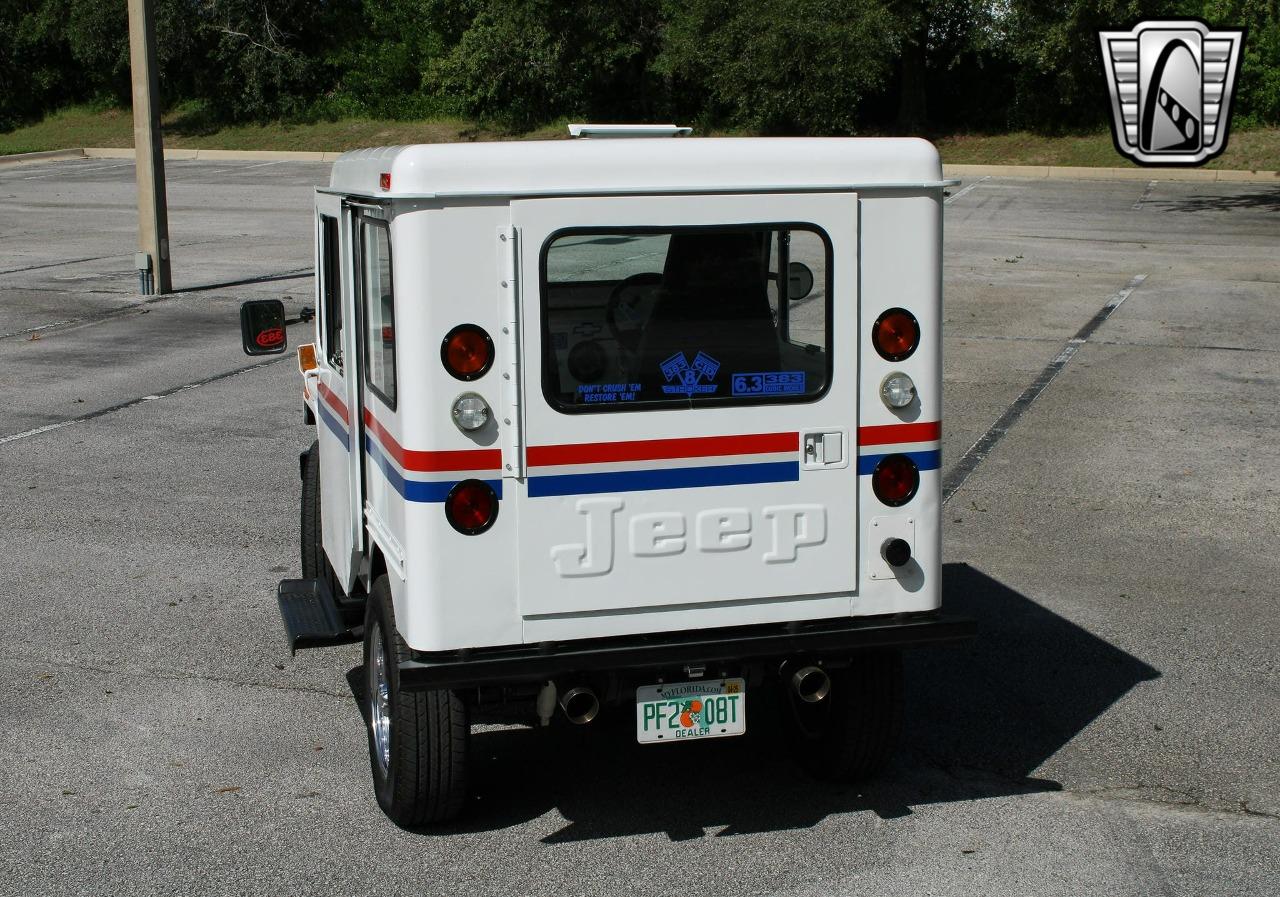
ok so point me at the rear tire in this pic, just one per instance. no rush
(851, 734)
(418, 741)
(312, 538)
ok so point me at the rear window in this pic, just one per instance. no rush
(646, 318)
(379, 309)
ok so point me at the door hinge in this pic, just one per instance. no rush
(511, 418)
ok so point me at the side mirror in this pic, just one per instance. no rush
(799, 281)
(262, 327)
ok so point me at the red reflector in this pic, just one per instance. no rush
(471, 507)
(895, 480)
(467, 352)
(384, 181)
(895, 334)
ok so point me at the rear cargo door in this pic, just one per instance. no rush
(689, 399)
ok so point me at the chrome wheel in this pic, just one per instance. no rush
(379, 699)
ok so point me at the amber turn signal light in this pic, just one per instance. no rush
(467, 352)
(307, 357)
(895, 334)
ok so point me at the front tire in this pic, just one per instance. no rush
(850, 735)
(418, 741)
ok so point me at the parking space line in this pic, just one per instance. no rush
(49, 428)
(1151, 185)
(953, 197)
(979, 451)
(194, 170)
(77, 170)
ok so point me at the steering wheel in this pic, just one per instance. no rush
(626, 302)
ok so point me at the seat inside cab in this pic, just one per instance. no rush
(683, 316)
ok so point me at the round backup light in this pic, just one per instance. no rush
(895, 334)
(467, 352)
(895, 480)
(470, 412)
(897, 390)
(471, 507)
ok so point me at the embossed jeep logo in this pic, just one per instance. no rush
(718, 530)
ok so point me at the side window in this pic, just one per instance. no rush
(379, 309)
(806, 313)
(685, 317)
(331, 291)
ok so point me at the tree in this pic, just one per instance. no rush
(527, 62)
(778, 66)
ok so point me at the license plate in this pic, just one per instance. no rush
(680, 711)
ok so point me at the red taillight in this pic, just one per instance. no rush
(384, 181)
(895, 480)
(471, 507)
(895, 334)
(467, 352)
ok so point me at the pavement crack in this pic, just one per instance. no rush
(170, 675)
(1137, 792)
(1166, 796)
(63, 263)
(131, 403)
(95, 317)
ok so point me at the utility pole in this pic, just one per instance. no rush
(148, 149)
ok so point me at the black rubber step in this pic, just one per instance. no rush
(312, 618)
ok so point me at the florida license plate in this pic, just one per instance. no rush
(679, 711)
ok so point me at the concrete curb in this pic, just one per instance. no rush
(45, 156)
(1080, 173)
(1059, 172)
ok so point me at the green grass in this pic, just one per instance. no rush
(187, 127)
(1257, 150)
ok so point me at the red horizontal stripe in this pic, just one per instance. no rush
(657, 449)
(890, 434)
(432, 462)
(333, 401)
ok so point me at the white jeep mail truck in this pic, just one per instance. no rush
(644, 427)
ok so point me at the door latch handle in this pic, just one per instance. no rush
(824, 449)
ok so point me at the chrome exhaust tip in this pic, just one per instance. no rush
(811, 684)
(580, 705)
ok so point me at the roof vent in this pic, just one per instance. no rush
(628, 131)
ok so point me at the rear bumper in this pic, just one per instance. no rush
(538, 663)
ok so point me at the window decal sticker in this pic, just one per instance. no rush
(685, 379)
(769, 383)
(608, 392)
(652, 318)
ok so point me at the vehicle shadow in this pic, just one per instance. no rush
(981, 718)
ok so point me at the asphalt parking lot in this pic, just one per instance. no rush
(1113, 355)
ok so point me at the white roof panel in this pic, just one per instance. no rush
(568, 167)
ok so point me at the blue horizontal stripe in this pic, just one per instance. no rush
(331, 421)
(677, 478)
(416, 490)
(924, 460)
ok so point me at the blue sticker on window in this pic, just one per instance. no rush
(685, 378)
(769, 383)
(595, 393)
